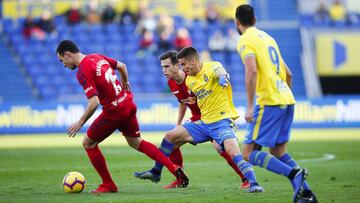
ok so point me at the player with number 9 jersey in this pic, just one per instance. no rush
(271, 87)
(268, 78)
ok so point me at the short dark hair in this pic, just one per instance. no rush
(67, 45)
(245, 14)
(170, 54)
(187, 53)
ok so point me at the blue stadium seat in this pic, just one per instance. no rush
(121, 43)
(48, 92)
(218, 56)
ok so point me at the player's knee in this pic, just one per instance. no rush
(133, 142)
(88, 145)
(169, 136)
(246, 155)
(134, 145)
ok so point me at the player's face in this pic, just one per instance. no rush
(169, 69)
(188, 65)
(67, 60)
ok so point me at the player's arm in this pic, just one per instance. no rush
(250, 82)
(121, 67)
(93, 103)
(288, 75)
(221, 73)
(181, 113)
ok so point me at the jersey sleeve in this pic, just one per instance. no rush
(218, 69)
(245, 49)
(112, 62)
(87, 81)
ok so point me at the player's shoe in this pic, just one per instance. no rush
(255, 188)
(245, 184)
(173, 184)
(308, 197)
(181, 178)
(148, 175)
(298, 182)
(103, 188)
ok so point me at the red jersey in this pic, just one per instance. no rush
(97, 76)
(185, 96)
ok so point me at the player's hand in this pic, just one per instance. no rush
(74, 128)
(126, 86)
(224, 80)
(249, 115)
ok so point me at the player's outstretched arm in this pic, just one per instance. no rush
(288, 75)
(181, 114)
(93, 103)
(121, 67)
(250, 82)
(223, 76)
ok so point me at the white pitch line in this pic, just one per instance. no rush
(324, 157)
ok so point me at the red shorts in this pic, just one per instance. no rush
(125, 121)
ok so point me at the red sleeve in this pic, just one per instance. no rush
(112, 62)
(87, 81)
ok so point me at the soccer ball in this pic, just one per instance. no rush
(74, 182)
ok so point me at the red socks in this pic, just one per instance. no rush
(176, 157)
(98, 161)
(232, 164)
(154, 153)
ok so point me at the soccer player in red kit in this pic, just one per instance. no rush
(176, 81)
(97, 76)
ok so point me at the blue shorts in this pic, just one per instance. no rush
(271, 125)
(218, 131)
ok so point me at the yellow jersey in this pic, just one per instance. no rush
(271, 86)
(214, 101)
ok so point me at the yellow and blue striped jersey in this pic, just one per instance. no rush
(215, 102)
(271, 86)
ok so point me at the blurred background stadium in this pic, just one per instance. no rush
(319, 40)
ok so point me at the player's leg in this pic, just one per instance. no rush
(154, 153)
(222, 132)
(131, 131)
(176, 157)
(232, 148)
(166, 147)
(173, 140)
(98, 131)
(245, 182)
(264, 131)
(280, 151)
(189, 132)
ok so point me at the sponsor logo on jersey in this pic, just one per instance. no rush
(206, 79)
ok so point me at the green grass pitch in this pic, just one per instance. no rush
(32, 168)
